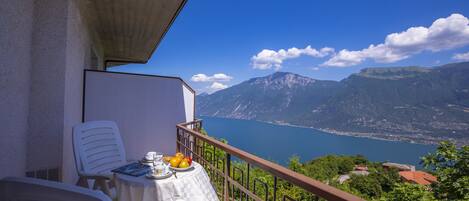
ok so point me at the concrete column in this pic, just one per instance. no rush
(78, 58)
(61, 52)
(46, 110)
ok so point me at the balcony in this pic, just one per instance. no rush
(230, 169)
(147, 107)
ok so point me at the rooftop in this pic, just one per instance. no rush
(418, 177)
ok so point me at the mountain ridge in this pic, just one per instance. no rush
(421, 104)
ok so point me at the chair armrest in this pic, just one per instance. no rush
(22, 188)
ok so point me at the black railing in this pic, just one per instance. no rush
(232, 179)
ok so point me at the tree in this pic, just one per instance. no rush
(345, 165)
(360, 159)
(366, 185)
(408, 192)
(295, 164)
(386, 178)
(327, 167)
(451, 166)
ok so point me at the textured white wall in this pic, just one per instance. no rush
(15, 65)
(146, 109)
(60, 53)
(44, 49)
(46, 110)
(78, 51)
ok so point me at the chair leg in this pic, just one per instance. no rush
(83, 182)
(103, 186)
(112, 183)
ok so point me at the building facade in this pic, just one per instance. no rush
(45, 48)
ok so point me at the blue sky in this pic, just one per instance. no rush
(242, 39)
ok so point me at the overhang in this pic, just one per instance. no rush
(128, 31)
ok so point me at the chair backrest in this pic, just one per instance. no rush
(30, 189)
(98, 147)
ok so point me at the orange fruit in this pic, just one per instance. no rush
(175, 161)
(179, 155)
(184, 164)
(167, 158)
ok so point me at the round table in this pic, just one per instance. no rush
(192, 185)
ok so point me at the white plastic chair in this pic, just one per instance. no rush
(30, 189)
(98, 149)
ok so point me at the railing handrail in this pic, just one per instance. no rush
(307, 183)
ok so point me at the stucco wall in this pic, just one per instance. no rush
(146, 109)
(44, 49)
(47, 84)
(15, 65)
(78, 57)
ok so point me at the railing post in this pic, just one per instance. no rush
(227, 175)
(200, 126)
(275, 188)
(194, 148)
(178, 148)
(247, 180)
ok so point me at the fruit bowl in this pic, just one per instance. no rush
(183, 169)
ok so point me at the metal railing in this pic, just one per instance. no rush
(229, 169)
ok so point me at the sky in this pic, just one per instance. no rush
(213, 45)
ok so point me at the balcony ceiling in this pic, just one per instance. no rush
(129, 30)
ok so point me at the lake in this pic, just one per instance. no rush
(278, 143)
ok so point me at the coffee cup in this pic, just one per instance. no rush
(150, 156)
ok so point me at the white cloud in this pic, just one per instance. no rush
(345, 58)
(461, 56)
(219, 77)
(216, 86)
(315, 68)
(266, 59)
(211, 88)
(443, 34)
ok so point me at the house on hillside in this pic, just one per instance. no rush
(398, 166)
(418, 177)
(361, 168)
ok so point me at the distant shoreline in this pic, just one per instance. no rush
(374, 136)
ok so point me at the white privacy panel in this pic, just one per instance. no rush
(145, 108)
(189, 103)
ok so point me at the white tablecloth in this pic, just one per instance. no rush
(193, 185)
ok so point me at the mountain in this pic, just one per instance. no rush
(404, 103)
(277, 97)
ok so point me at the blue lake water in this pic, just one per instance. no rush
(279, 143)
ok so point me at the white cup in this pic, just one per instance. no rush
(150, 156)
